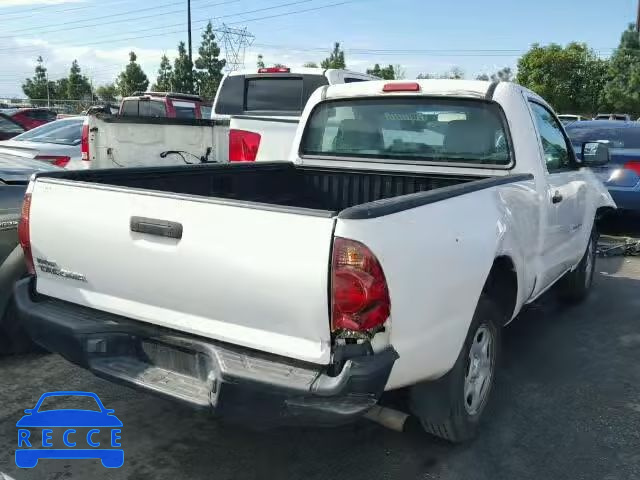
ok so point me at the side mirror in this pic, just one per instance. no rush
(28, 411)
(595, 154)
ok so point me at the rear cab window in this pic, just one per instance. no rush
(410, 130)
(279, 94)
(184, 109)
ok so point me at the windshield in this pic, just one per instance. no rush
(411, 129)
(62, 132)
(626, 137)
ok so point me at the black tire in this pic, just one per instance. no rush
(575, 286)
(13, 339)
(442, 406)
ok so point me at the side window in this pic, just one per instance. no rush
(354, 80)
(554, 143)
(152, 108)
(130, 108)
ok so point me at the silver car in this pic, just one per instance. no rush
(57, 143)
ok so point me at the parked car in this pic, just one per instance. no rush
(9, 128)
(622, 175)
(161, 105)
(388, 253)
(570, 118)
(32, 117)
(58, 143)
(613, 116)
(15, 170)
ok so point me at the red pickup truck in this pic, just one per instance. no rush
(164, 105)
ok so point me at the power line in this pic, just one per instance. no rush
(76, 26)
(182, 29)
(37, 9)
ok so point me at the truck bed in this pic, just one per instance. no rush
(326, 191)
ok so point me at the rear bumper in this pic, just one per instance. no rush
(248, 386)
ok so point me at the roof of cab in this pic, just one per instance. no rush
(457, 88)
(299, 71)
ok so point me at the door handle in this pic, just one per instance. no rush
(154, 226)
(557, 197)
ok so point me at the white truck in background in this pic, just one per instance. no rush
(414, 220)
(254, 118)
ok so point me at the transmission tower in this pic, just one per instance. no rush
(235, 42)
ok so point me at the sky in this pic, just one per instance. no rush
(423, 36)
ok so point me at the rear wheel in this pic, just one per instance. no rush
(451, 406)
(576, 285)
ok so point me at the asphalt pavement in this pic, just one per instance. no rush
(566, 406)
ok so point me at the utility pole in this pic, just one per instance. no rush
(638, 18)
(48, 96)
(189, 29)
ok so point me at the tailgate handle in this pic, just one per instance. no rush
(154, 226)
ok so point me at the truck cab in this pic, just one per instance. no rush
(163, 105)
(256, 112)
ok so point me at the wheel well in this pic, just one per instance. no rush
(502, 286)
(602, 214)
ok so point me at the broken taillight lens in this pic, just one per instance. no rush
(359, 293)
(24, 230)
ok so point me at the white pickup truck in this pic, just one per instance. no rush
(254, 118)
(414, 221)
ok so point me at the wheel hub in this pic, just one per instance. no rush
(479, 373)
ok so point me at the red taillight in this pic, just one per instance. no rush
(84, 141)
(359, 294)
(58, 160)
(274, 70)
(401, 87)
(633, 165)
(243, 146)
(24, 234)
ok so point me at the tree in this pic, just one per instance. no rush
(164, 79)
(455, 73)
(133, 79)
(37, 86)
(399, 72)
(335, 59)
(503, 75)
(483, 76)
(182, 71)
(310, 65)
(78, 86)
(208, 65)
(107, 93)
(60, 89)
(622, 88)
(425, 76)
(386, 73)
(260, 62)
(570, 78)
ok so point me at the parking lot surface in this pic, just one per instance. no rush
(566, 406)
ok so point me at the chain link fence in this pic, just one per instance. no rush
(60, 106)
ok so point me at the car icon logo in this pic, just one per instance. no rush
(79, 430)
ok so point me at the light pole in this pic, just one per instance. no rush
(189, 29)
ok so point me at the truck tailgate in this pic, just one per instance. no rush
(276, 134)
(240, 274)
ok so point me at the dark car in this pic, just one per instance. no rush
(622, 174)
(9, 128)
(33, 117)
(15, 171)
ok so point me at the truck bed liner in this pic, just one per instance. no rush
(279, 183)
